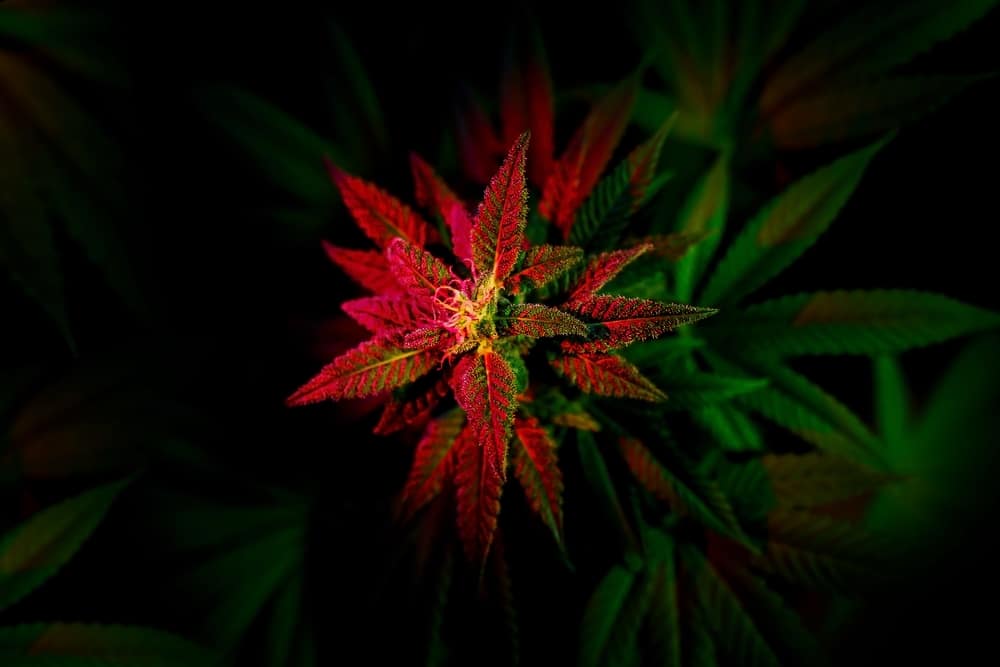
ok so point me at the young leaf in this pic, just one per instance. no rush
(786, 227)
(374, 366)
(498, 232)
(433, 461)
(415, 269)
(431, 191)
(577, 171)
(684, 489)
(814, 479)
(607, 375)
(486, 387)
(365, 267)
(80, 645)
(601, 270)
(603, 217)
(616, 321)
(388, 313)
(849, 322)
(542, 264)
(478, 487)
(37, 548)
(537, 469)
(537, 321)
(702, 216)
(380, 216)
(527, 104)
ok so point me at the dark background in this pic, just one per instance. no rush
(231, 297)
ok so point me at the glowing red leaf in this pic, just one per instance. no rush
(542, 264)
(537, 321)
(617, 321)
(427, 337)
(602, 269)
(365, 267)
(577, 171)
(478, 490)
(499, 228)
(433, 461)
(400, 413)
(386, 313)
(607, 375)
(380, 216)
(536, 468)
(526, 104)
(374, 366)
(431, 191)
(486, 387)
(479, 147)
(415, 269)
(460, 227)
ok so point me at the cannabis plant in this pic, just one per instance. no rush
(511, 350)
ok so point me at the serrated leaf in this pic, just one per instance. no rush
(485, 386)
(821, 553)
(702, 216)
(616, 321)
(37, 548)
(415, 269)
(479, 488)
(374, 366)
(892, 401)
(815, 479)
(542, 264)
(580, 166)
(433, 461)
(351, 99)
(479, 147)
(537, 469)
(613, 618)
(80, 645)
(602, 218)
(734, 630)
(874, 39)
(498, 231)
(431, 191)
(284, 147)
(365, 267)
(413, 403)
(460, 227)
(849, 109)
(684, 488)
(596, 473)
(387, 313)
(787, 226)
(691, 389)
(538, 321)
(732, 429)
(601, 270)
(804, 408)
(663, 623)
(607, 375)
(848, 322)
(527, 103)
(378, 214)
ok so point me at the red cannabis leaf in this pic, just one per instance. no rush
(460, 329)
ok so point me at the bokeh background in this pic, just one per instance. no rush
(180, 293)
